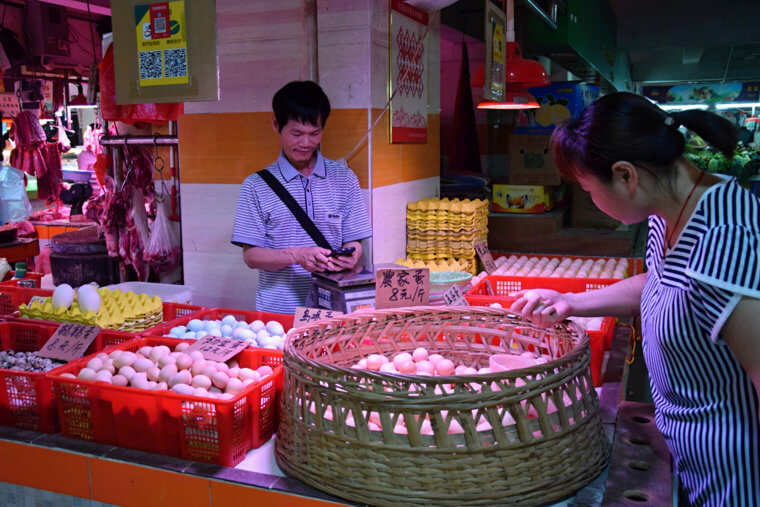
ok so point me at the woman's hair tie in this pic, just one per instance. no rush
(670, 121)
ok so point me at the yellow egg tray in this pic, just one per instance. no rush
(118, 310)
(440, 265)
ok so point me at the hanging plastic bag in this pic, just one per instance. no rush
(163, 252)
(14, 203)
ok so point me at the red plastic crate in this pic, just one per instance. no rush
(26, 398)
(598, 341)
(11, 297)
(30, 277)
(217, 314)
(164, 422)
(497, 288)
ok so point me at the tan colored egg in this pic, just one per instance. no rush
(108, 365)
(184, 362)
(197, 355)
(209, 370)
(143, 364)
(102, 356)
(401, 358)
(444, 367)
(222, 367)
(181, 347)
(226, 396)
(215, 390)
(388, 368)
(434, 358)
(408, 366)
(425, 367)
(420, 354)
(145, 350)
(234, 372)
(248, 382)
(175, 354)
(198, 366)
(374, 362)
(154, 373)
(162, 386)
(119, 380)
(165, 360)
(95, 364)
(103, 376)
(220, 380)
(183, 389)
(167, 372)
(201, 381)
(139, 377)
(140, 383)
(233, 363)
(157, 352)
(180, 378)
(265, 370)
(234, 386)
(249, 374)
(68, 375)
(200, 391)
(128, 372)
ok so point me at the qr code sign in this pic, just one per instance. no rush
(176, 62)
(150, 65)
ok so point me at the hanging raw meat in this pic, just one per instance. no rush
(35, 156)
(134, 238)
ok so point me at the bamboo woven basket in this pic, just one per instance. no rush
(517, 437)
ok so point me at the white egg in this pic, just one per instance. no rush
(257, 325)
(226, 330)
(244, 334)
(178, 331)
(215, 331)
(63, 295)
(275, 328)
(234, 386)
(200, 334)
(242, 324)
(183, 389)
(211, 324)
(88, 298)
(201, 381)
(195, 325)
(189, 335)
(229, 320)
(264, 370)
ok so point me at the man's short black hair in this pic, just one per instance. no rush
(302, 101)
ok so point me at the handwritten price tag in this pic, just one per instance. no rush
(306, 315)
(218, 348)
(69, 341)
(485, 256)
(454, 297)
(396, 288)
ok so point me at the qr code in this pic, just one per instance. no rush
(150, 65)
(176, 62)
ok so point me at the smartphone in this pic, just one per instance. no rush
(343, 252)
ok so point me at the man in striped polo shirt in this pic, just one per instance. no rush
(273, 240)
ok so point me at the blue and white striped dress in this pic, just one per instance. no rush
(705, 404)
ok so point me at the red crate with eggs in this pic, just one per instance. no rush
(218, 314)
(212, 430)
(26, 397)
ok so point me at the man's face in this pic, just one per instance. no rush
(298, 141)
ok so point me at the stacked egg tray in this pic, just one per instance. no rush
(544, 438)
(219, 431)
(26, 397)
(443, 228)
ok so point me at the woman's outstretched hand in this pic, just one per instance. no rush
(543, 307)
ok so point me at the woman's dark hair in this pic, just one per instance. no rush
(302, 101)
(625, 126)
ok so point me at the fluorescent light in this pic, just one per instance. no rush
(683, 107)
(732, 105)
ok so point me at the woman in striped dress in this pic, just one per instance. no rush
(699, 300)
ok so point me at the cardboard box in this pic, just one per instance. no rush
(559, 102)
(584, 214)
(531, 161)
(524, 198)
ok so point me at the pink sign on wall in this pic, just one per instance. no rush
(409, 72)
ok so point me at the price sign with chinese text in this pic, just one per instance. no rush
(485, 256)
(396, 288)
(454, 297)
(69, 341)
(306, 315)
(218, 348)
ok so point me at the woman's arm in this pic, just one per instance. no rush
(741, 333)
(546, 307)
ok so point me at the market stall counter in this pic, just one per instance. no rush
(65, 471)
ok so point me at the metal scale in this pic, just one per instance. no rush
(346, 291)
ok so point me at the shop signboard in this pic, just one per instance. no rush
(409, 73)
(704, 93)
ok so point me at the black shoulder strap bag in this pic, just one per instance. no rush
(295, 208)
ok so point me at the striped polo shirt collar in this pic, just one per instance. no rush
(289, 172)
